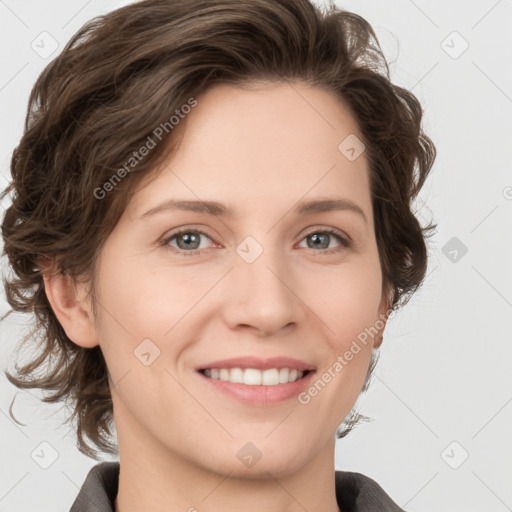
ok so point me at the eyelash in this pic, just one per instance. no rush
(345, 243)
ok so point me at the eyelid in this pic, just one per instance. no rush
(332, 231)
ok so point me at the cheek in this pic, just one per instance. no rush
(140, 302)
(144, 300)
(132, 303)
(349, 300)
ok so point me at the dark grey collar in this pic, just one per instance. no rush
(99, 490)
(355, 492)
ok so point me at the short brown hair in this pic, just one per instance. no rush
(127, 72)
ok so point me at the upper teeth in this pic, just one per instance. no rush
(255, 377)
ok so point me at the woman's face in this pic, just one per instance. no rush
(264, 280)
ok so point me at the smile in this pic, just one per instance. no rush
(254, 376)
(257, 388)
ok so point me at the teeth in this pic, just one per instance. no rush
(253, 376)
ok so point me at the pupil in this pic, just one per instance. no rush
(188, 239)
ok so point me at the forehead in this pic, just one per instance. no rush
(276, 142)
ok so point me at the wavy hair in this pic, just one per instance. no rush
(129, 71)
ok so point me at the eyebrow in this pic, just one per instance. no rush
(218, 209)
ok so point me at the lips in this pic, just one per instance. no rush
(254, 395)
(259, 363)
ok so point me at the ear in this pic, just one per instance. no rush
(384, 311)
(72, 307)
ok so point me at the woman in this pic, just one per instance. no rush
(212, 222)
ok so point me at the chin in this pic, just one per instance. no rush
(261, 470)
(256, 459)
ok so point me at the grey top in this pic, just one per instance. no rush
(355, 492)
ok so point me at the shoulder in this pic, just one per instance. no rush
(356, 492)
(99, 490)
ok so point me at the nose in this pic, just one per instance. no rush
(260, 296)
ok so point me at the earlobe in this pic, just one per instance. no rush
(71, 309)
(380, 324)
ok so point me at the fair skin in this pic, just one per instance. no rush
(258, 151)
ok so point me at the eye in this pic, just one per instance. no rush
(321, 239)
(188, 241)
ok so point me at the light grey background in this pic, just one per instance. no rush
(442, 390)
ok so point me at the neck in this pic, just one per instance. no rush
(152, 477)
